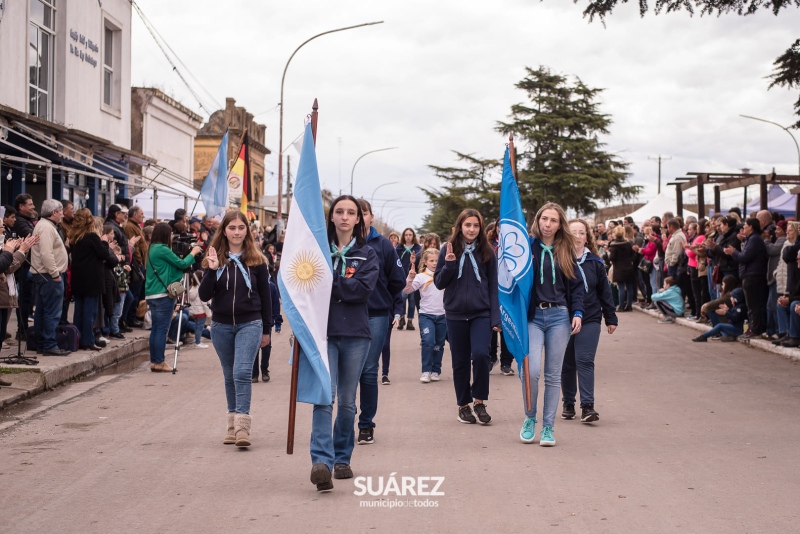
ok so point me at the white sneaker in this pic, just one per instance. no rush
(101, 338)
(435, 377)
(200, 346)
(426, 377)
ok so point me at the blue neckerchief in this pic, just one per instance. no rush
(407, 250)
(468, 251)
(236, 258)
(340, 254)
(547, 250)
(580, 262)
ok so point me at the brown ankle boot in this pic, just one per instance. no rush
(242, 430)
(230, 437)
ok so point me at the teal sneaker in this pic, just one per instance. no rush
(528, 431)
(548, 440)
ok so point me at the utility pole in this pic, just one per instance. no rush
(659, 158)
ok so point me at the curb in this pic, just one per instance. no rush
(761, 344)
(54, 371)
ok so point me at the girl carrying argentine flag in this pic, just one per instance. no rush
(355, 273)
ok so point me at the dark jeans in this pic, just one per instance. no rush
(5, 313)
(755, 295)
(386, 353)
(469, 348)
(408, 302)
(85, 312)
(132, 302)
(645, 286)
(665, 308)
(187, 326)
(49, 299)
(685, 283)
(25, 300)
(65, 305)
(772, 309)
(265, 354)
(578, 367)
(699, 290)
(505, 356)
(627, 292)
(368, 381)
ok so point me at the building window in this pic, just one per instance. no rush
(40, 57)
(111, 65)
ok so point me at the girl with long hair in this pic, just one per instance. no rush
(555, 313)
(578, 367)
(467, 272)
(355, 273)
(236, 281)
(407, 251)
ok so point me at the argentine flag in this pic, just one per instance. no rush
(306, 278)
(514, 266)
(215, 187)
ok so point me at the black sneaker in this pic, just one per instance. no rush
(366, 436)
(410, 325)
(700, 339)
(341, 471)
(483, 417)
(465, 415)
(56, 352)
(118, 335)
(568, 412)
(588, 415)
(321, 476)
(385, 380)
(265, 376)
(402, 323)
(507, 370)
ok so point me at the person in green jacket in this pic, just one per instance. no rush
(164, 267)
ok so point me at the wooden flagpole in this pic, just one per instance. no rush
(525, 368)
(296, 345)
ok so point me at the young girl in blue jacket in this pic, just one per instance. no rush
(355, 273)
(467, 272)
(408, 251)
(578, 368)
(554, 314)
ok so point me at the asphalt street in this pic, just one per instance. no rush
(693, 437)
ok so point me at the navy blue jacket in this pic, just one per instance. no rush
(348, 315)
(232, 302)
(391, 278)
(738, 313)
(573, 289)
(753, 258)
(405, 257)
(467, 298)
(597, 300)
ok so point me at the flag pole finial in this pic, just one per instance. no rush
(314, 118)
(512, 154)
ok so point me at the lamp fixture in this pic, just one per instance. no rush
(8, 176)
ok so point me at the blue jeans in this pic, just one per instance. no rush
(627, 292)
(788, 320)
(117, 313)
(85, 313)
(432, 332)
(49, 302)
(410, 301)
(578, 367)
(346, 357)
(550, 330)
(199, 325)
(654, 279)
(368, 397)
(722, 329)
(236, 346)
(160, 314)
(187, 325)
(470, 341)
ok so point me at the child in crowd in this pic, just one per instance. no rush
(117, 285)
(735, 315)
(432, 324)
(198, 310)
(669, 301)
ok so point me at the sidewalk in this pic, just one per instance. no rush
(762, 344)
(53, 371)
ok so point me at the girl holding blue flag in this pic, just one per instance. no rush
(467, 272)
(407, 251)
(555, 312)
(236, 281)
(578, 368)
(355, 273)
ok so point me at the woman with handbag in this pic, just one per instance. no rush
(162, 286)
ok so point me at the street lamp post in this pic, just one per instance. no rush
(372, 198)
(784, 128)
(280, 126)
(359, 159)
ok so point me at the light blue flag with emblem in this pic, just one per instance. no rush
(215, 187)
(306, 278)
(514, 266)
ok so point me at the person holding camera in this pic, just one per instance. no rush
(236, 281)
(164, 268)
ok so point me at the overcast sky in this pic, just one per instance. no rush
(436, 76)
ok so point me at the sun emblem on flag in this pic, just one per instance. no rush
(305, 271)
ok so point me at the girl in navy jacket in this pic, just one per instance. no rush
(407, 251)
(554, 314)
(578, 368)
(467, 272)
(355, 273)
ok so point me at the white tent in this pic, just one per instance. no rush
(169, 200)
(658, 206)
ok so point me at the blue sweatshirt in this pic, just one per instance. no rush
(565, 292)
(466, 298)
(391, 278)
(673, 297)
(597, 300)
(348, 315)
(232, 302)
(405, 258)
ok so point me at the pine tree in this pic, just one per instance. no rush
(560, 157)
